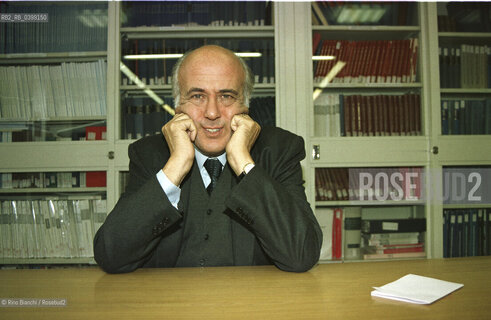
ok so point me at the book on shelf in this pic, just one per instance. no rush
(345, 239)
(331, 223)
(49, 228)
(367, 61)
(159, 71)
(465, 66)
(33, 180)
(393, 225)
(352, 233)
(87, 22)
(142, 117)
(39, 92)
(197, 13)
(466, 116)
(343, 184)
(95, 178)
(95, 133)
(393, 232)
(466, 232)
(338, 115)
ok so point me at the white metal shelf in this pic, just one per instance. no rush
(358, 203)
(52, 190)
(51, 57)
(198, 32)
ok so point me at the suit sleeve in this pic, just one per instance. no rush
(137, 223)
(271, 200)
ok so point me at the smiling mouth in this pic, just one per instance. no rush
(213, 130)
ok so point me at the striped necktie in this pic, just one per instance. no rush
(214, 168)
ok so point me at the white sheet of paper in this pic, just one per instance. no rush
(416, 289)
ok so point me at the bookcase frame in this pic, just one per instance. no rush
(292, 33)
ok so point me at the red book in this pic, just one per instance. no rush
(403, 250)
(414, 58)
(95, 179)
(384, 44)
(337, 236)
(401, 120)
(397, 62)
(95, 133)
(321, 63)
(405, 61)
(372, 73)
(328, 188)
(316, 41)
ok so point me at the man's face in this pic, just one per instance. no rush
(211, 86)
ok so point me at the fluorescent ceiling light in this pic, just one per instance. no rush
(249, 54)
(323, 57)
(152, 56)
(178, 55)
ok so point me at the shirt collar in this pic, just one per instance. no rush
(201, 158)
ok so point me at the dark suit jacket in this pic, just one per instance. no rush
(276, 222)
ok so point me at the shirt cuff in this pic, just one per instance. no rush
(171, 190)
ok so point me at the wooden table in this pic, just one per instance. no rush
(328, 291)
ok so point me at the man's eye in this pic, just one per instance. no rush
(227, 97)
(197, 96)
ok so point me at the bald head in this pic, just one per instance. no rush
(211, 55)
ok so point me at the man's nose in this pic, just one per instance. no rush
(212, 108)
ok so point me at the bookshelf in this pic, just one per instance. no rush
(459, 148)
(290, 25)
(53, 98)
(368, 116)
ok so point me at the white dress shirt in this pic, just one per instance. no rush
(173, 192)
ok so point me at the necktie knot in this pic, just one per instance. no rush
(214, 168)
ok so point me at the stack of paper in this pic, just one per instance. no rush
(416, 289)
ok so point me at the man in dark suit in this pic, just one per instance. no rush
(214, 189)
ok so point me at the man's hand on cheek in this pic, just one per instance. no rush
(179, 133)
(245, 132)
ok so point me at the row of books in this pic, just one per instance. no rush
(159, 71)
(142, 118)
(355, 233)
(466, 232)
(193, 13)
(23, 180)
(69, 27)
(50, 91)
(362, 13)
(361, 184)
(50, 228)
(394, 232)
(53, 131)
(466, 116)
(369, 61)
(338, 115)
(465, 66)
